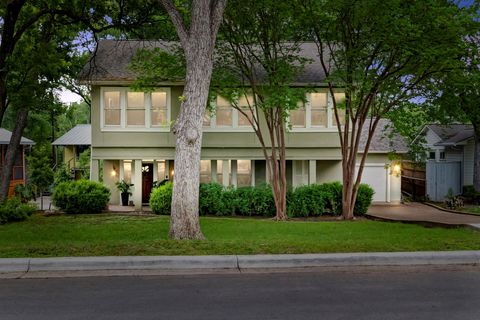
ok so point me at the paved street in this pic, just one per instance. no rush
(408, 293)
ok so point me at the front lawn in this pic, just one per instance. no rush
(97, 235)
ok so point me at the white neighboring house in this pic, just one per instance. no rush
(450, 152)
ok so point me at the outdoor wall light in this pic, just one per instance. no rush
(113, 173)
(396, 170)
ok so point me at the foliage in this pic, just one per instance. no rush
(471, 194)
(81, 196)
(259, 60)
(382, 54)
(211, 199)
(62, 174)
(452, 201)
(25, 192)
(84, 163)
(161, 199)
(364, 199)
(124, 187)
(319, 199)
(14, 210)
(40, 168)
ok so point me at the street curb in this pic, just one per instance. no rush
(237, 262)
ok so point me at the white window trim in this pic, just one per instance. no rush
(234, 128)
(308, 117)
(123, 111)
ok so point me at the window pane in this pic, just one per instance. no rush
(341, 117)
(159, 109)
(111, 102)
(135, 108)
(222, 102)
(339, 97)
(297, 117)
(205, 171)
(206, 118)
(127, 172)
(242, 119)
(319, 117)
(244, 173)
(161, 173)
(224, 116)
(112, 117)
(135, 117)
(318, 100)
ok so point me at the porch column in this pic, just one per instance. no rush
(137, 184)
(234, 170)
(312, 171)
(94, 170)
(155, 171)
(213, 170)
(225, 173)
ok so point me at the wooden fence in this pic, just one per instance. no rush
(413, 180)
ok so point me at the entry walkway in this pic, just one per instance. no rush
(418, 212)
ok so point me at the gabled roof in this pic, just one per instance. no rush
(80, 135)
(5, 136)
(111, 60)
(384, 139)
(451, 134)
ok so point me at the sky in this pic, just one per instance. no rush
(66, 96)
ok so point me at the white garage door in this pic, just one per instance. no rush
(377, 177)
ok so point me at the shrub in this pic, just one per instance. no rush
(253, 201)
(471, 195)
(211, 199)
(364, 199)
(14, 210)
(81, 196)
(308, 200)
(161, 199)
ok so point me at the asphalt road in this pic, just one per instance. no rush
(407, 293)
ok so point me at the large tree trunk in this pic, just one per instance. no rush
(15, 140)
(184, 223)
(476, 159)
(198, 42)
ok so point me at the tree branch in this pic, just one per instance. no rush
(177, 21)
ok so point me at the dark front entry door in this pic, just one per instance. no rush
(147, 181)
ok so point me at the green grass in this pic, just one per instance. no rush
(97, 235)
(474, 210)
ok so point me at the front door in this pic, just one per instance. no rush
(147, 181)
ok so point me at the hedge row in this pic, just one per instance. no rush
(304, 201)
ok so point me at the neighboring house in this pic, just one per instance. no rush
(74, 142)
(450, 151)
(132, 137)
(19, 171)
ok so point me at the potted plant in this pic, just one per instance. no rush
(125, 191)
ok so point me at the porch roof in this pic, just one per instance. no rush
(5, 136)
(80, 135)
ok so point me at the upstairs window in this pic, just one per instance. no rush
(159, 110)
(122, 109)
(112, 108)
(318, 105)
(224, 113)
(135, 109)
(227, 117)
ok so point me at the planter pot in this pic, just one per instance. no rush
(124, 198)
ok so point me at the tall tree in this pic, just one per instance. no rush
(380, 53)
(259, 62)
(197, 37)
(458, 97)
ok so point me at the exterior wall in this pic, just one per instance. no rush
(69, 156)
(454, 154)
(316, 149)
(468, 155)
(329, 171)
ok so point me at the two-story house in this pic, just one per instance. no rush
(132, 138)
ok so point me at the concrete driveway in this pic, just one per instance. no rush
(419, 212)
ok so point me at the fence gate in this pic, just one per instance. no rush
(441, 176)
